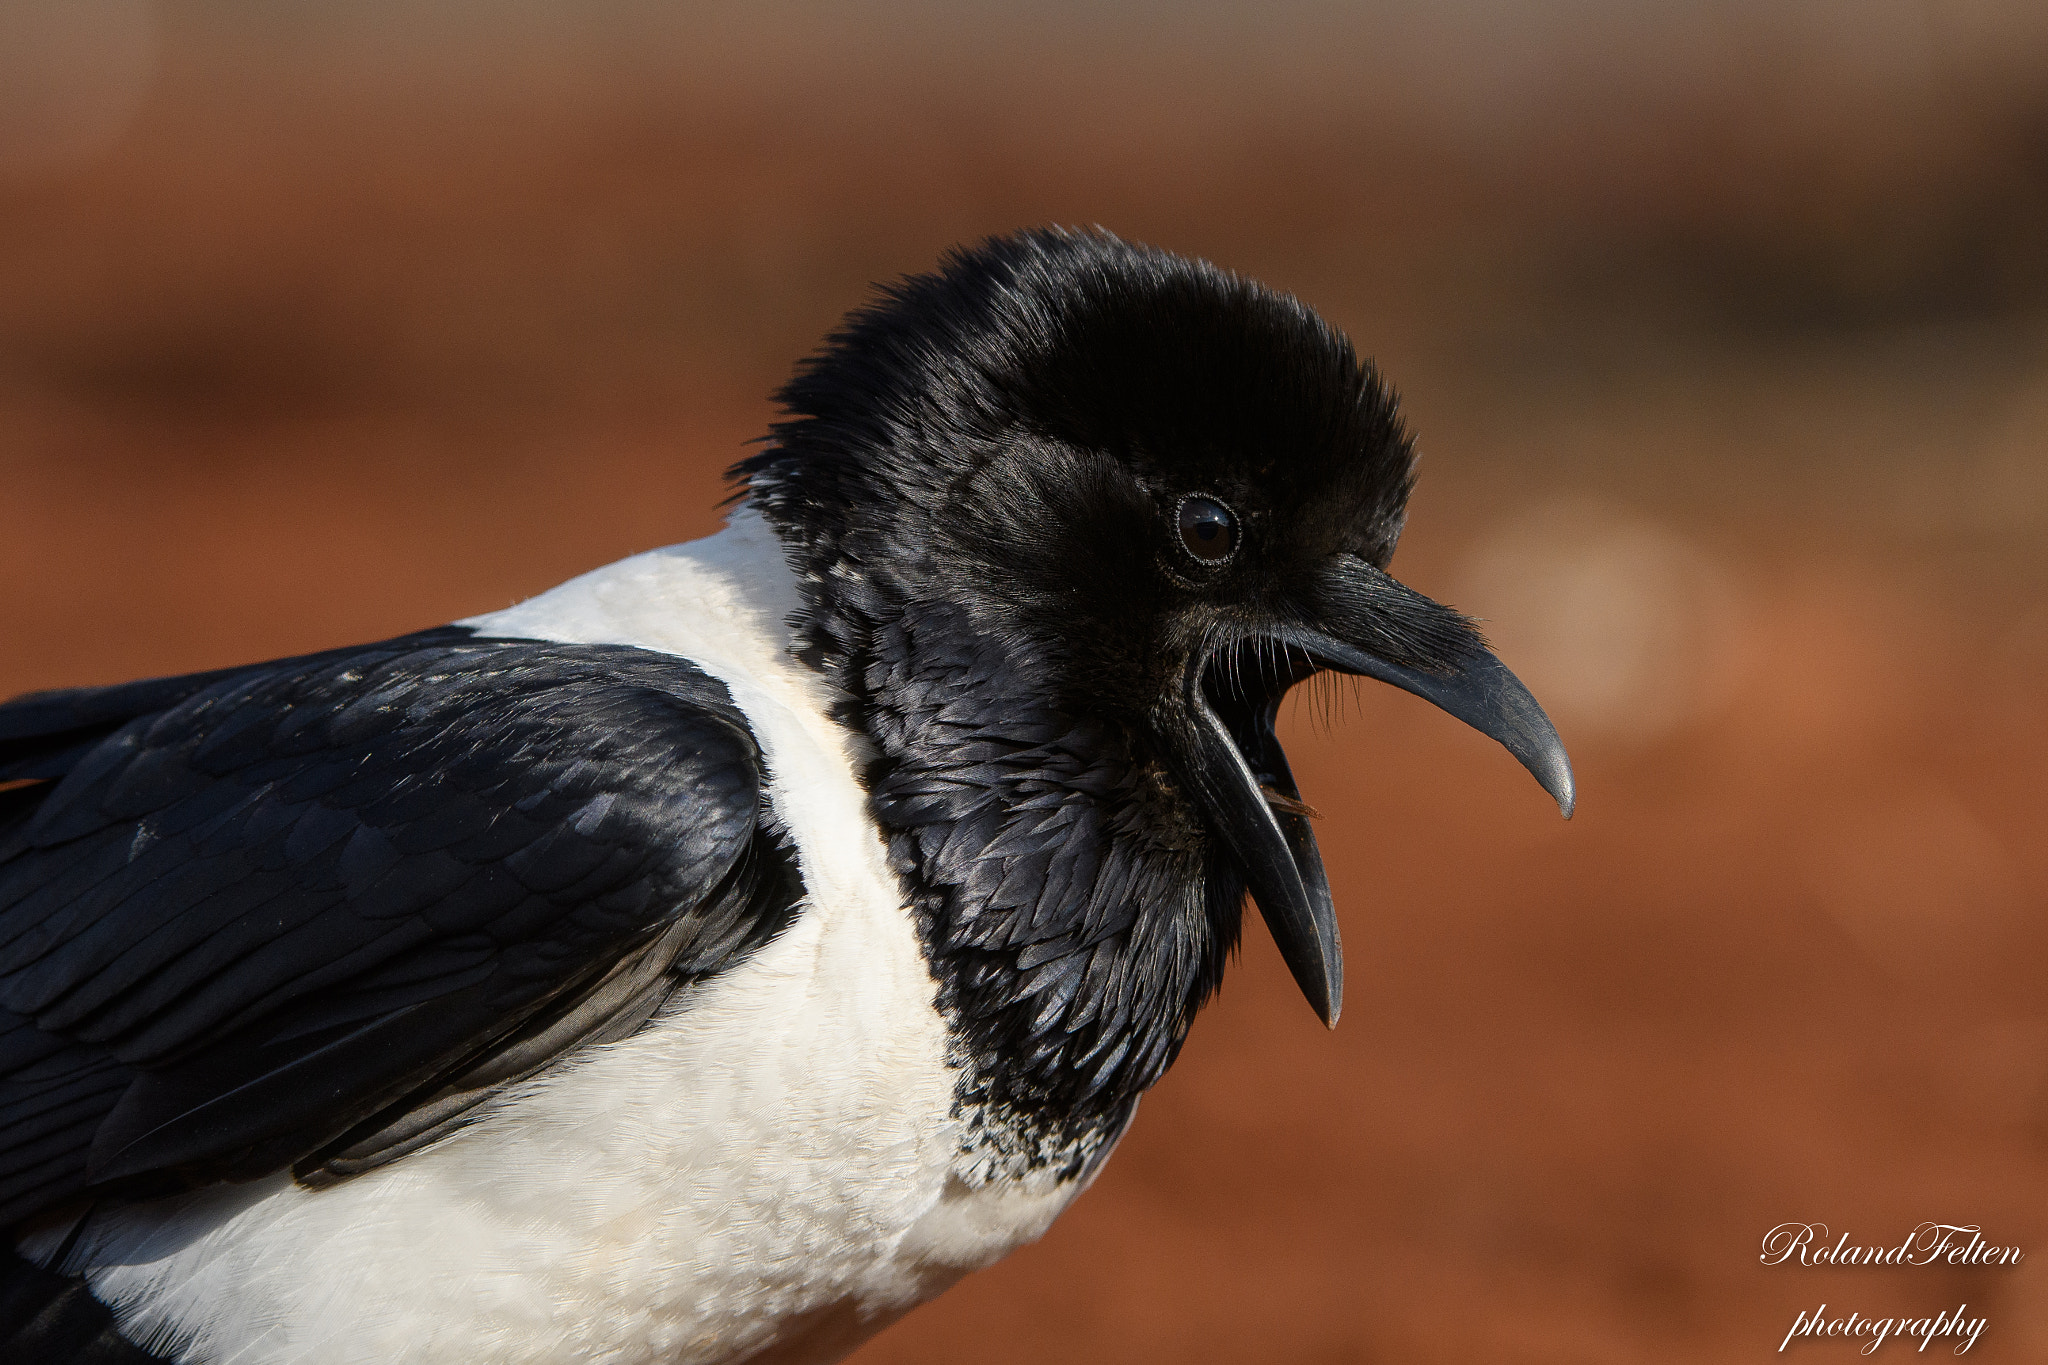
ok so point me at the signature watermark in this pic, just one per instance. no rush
(1946, 1244)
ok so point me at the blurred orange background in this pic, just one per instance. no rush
(1725, 329)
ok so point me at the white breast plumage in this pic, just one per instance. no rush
(769, 1170)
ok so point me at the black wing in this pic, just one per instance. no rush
(305, 914)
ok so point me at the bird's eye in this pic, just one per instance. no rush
(1208, 529)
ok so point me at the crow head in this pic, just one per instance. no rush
(1158, 496)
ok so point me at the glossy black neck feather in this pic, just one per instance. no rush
(1072, 907)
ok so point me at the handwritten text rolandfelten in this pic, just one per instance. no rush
(1947, 1243)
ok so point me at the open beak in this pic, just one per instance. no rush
(1222, 745)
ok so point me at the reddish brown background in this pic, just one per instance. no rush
(1725, 327)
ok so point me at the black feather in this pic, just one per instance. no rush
(309, 913)
(52, 1319)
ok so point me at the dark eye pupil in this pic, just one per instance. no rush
(1207, 529)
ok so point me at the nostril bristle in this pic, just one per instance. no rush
(1293, 805)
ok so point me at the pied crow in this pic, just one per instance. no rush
(712, 958)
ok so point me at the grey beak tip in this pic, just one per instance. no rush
(1562, 786)
(1322, 981)
(1329, 1006)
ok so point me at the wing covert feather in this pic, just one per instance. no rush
(306, 903)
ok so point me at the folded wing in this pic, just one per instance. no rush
(309, 914)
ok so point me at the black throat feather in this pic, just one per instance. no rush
(1073, 911)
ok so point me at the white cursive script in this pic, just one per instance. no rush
(1943, 1324)
(1949, 1243)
